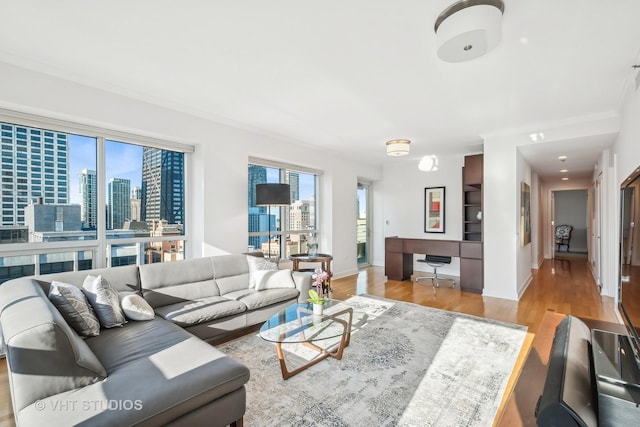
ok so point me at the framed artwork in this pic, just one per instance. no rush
(434, 210)
(525, 214)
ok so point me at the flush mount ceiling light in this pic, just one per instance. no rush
(468, 29)
(398, 147)
(428, 163)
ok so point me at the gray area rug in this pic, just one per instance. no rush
(406, 365)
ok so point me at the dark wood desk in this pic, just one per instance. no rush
(398, 259)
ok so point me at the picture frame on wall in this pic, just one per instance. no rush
(525, 214)
(434, 209)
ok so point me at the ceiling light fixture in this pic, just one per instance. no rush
(536, 136)
(562, 158)
(428, 163)
(564, 170)
(565, 179)
(398, 147)
(468, 29)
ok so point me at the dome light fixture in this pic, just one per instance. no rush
(468, 29)
(398, 147)
(428, 163)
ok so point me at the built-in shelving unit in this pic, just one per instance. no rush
(471, 263)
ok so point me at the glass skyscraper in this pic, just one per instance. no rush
(119, 202)
(162, 185)
(89, 199)
(35, 165)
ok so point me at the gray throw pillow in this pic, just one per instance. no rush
(104, 300)
(258, 264)
(74, 307)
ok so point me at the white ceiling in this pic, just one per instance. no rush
(343, 75)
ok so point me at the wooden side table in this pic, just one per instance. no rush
(325, 264)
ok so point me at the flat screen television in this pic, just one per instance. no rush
(629, 277)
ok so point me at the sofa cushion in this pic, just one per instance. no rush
(201, 310)
(268, 279)
(45, 356)
(122, 279)
(166, 283)
(74, 307)
(104, 300)
(157, 373)
(256, 299)
(136, 308)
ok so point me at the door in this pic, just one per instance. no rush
(363, 225)
(596, 228)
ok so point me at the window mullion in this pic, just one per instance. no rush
(101, 256)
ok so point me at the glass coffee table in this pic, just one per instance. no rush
(298, 324)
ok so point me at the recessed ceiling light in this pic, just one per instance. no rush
(565, 179)
(562, 158)
(536, 136)
(564, 171)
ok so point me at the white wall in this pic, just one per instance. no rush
(217, 214)
(403, 205)
(501, 217)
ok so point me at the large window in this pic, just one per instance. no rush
(78, 200)
(279, 231)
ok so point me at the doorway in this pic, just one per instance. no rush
(570, 214)
(363, 225)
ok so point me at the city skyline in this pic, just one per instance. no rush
(122, 160)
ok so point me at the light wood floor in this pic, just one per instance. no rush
(561, 285)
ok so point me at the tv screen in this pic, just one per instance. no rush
(629, 290)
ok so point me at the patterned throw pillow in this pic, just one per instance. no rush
(104, 300)
(258, 264)
(74, 307)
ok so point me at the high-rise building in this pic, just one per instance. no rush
(162, 185)
(293, 178)
(89, 198)
(35, 166)
(119, 205)
(136, 198)
(258, 218)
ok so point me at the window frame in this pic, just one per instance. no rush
(285, 210)
(101, 245)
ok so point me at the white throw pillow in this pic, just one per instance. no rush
(258, 264)
(104, 300)
(136, 308)
(270, 279)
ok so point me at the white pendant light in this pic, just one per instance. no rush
(398, 147)
(468, 29)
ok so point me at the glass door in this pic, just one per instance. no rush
(363, 225)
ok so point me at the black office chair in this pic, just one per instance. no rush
(436, 261)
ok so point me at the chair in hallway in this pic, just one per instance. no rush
(563, 235)
(436, 261)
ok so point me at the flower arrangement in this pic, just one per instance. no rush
(319, 277)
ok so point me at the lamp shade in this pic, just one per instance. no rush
(273, 194)
(469, 29)
(398, 147)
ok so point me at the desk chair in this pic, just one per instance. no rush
(436, 261)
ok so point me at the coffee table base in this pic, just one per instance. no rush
(322, 353)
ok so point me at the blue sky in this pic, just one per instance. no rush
(121, 161)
